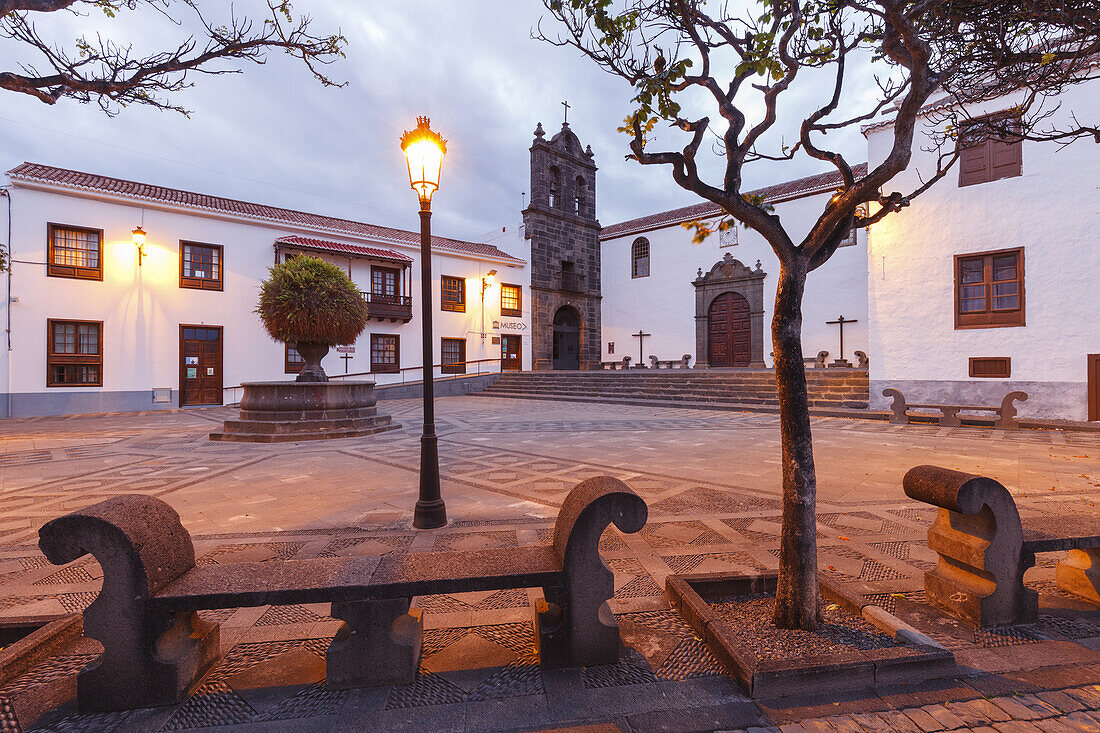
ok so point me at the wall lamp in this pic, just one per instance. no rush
(139, 242)
(488, 281)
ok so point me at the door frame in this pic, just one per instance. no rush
(221, 365)
(1092, 367)
(519, 351)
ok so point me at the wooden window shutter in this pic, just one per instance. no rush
(991, 367)
(1006, 159)
(974, 164)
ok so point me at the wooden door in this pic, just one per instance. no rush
(200, 365)
(1094, 386)
(730, 331)
(511, 353)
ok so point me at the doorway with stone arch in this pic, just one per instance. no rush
(729, 315)
(567, 338)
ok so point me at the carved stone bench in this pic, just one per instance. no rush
(949, 414)
(985, 549)
(682, 363)
(156, 646)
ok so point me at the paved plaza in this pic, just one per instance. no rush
(712, 483)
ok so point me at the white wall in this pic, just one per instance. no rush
(663, 304)
(142, 307)
(1052, 212)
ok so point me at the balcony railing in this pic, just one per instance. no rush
(393, 307)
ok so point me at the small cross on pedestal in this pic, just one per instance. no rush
(841, 362)
(641, 340)
(566, 105)
(346, 358)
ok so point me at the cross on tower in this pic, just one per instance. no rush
(566, 105)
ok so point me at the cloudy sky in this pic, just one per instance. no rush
(274, 135)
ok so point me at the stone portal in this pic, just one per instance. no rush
(567, 338)
(729, 315)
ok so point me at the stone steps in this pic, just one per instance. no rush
(836, 390)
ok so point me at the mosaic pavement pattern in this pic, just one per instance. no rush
(709, 479)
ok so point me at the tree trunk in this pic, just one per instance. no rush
(796, 598)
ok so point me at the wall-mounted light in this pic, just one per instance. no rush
(139, 242)
(488, 281)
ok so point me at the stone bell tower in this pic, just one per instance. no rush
(560, 223)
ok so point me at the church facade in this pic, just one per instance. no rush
(714, 301)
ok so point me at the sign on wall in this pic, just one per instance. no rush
(510, 325)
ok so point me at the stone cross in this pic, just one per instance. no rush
(641, 339)
(566, 105)
(840, 322)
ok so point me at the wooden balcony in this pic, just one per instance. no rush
(392, 307)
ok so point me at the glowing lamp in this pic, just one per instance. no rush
(488, 281)
(424, 151)
(139, 242)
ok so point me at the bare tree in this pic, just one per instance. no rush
(750, 55)
(111, 74)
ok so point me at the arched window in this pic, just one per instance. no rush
(555, 185)
(639, 257)
(578, 197)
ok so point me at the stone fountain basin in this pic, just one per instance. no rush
(290, 411)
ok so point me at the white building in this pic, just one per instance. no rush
(94, 325)
(990, 281)
(715, 300)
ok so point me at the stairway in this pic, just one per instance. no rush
(831, 391)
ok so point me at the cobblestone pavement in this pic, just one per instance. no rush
(712, 484)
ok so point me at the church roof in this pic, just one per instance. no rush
(92, 182)
(775, 193)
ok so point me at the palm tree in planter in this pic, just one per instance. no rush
(313, 305)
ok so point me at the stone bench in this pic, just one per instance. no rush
(948, 415)
(984, 549)
(155, 645)
(684, 362)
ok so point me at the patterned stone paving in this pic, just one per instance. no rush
(709, 478)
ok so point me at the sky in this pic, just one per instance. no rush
(274, 135)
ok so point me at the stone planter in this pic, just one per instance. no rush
(273, 412)
(311, 353)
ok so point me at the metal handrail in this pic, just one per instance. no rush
(402, 371)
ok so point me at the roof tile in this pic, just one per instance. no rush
(779, 191)
(121, 187)
(330, 246)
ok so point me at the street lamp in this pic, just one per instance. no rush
(424, 151)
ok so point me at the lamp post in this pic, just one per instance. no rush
(424, 151)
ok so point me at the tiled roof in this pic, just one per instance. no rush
(778, 192)
(354, 249)
(132, 189)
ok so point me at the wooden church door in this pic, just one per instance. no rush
(729, 329)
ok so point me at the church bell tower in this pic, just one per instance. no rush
(561, 224)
